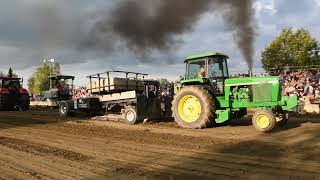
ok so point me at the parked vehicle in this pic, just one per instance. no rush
(129, 95)
(12, 94)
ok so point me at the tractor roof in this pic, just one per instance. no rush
(10, 78)
(59, 77)
(151, 82)
(210, 54)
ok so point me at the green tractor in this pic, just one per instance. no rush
(207, 96)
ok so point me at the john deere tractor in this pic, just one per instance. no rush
(207, 96)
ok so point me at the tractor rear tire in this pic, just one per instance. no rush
(24, 103)
(3, 102)
(193, 107)
(264, 120)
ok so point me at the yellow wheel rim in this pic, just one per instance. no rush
(189, 108)
(263, 121)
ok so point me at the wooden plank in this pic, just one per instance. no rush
(116, 84)
(118, 96)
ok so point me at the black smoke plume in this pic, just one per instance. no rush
(144, 30)
(147, 25)
(239, 17)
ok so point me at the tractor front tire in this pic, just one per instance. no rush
(3, 102)
(131, 116)
(264, 120)
(193, 107)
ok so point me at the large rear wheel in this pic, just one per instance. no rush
(193, 107)
(3, 102)
(24, 102)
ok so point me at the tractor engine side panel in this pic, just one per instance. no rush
(262, 92)
(241, 93)
(251, 92)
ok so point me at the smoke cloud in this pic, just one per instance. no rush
(75, 33)
(145, 25)
(156, 29)
(156, 25)
(239, 18)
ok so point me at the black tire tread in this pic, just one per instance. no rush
(3, 102)
(25, 102)
(208, 106)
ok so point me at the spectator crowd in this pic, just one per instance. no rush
(304, 84)
(79, 92)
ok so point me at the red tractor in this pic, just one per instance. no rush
(13, 95)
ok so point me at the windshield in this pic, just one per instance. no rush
(11, 83)
(197, 69)
(208, 67)
(62, 84)
(217, 67)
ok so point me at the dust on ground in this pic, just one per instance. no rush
(41, 145)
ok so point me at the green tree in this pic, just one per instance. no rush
(164, 82)
(31, 85)
(293, 48)
(9, 74)
(56, 69)
(39, 81)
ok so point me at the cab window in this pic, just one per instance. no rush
(217, 67)
(197, 69)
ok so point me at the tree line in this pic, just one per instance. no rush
(39, 81)
(291, 48)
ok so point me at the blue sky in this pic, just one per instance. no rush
(32, 31)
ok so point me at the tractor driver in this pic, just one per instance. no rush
(202, 72)
(59, 85)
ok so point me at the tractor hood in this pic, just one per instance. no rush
(261, 89)
(252, 80)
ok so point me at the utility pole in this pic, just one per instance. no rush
(51, 61)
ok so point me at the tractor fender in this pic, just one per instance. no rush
(289, 102)
(209, 88)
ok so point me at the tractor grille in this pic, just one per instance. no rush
(262, 92)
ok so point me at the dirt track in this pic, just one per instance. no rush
(39, 145)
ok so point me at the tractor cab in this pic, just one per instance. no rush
(10, 82)
(61, 87)
(12, 94)
(151, 88)
(210, 68)
(61, 82)
(12, 85)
